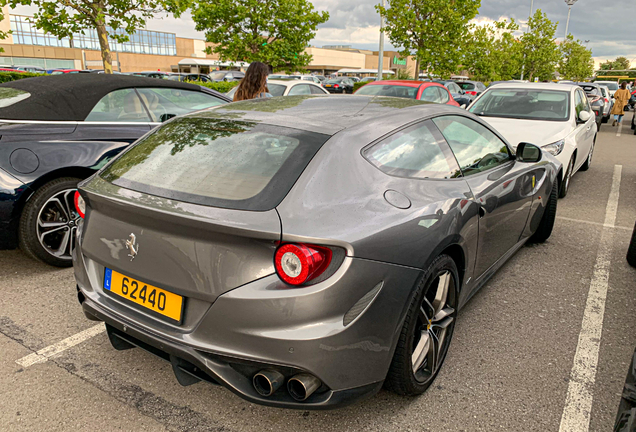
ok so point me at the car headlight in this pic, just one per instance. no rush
(555, 148)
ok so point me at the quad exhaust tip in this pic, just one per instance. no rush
(302, 386)
(266, 382)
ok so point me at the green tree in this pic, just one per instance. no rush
(576, 61)
(492, 52)
(620, 63)
(274, 32)
(115, 19)
(433, 31)
(539, 47)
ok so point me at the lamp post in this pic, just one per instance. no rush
(523, 66)
(381, 52)
(570, 3)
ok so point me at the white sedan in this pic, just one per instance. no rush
(556, 117)
(289, 87)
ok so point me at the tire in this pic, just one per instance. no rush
(631, 250)
(598, 126)
(43, 207)
(546, 224)
(588, 161)
(417, 330)
(565, 184)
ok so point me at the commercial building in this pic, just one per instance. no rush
(149, 50)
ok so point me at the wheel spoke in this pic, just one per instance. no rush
(69, 207)
(61, 251)
(51, 231)
(442, 292)
(51, 224)
(421, 351)
(433, 352)
(62, 207)
(443, 317)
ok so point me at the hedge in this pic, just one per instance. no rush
(220, 86)
(357, 85)
(12, 76)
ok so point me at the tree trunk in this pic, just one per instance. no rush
(417, 69)
(102, 35)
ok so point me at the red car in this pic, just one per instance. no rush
(420, 90)
(65, 71)
(10, 70)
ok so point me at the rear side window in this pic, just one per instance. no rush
(388, 90)
(300, 89)
(414, 152)
(160, 101)
(217, 162)
(276, 89)
(119, 106)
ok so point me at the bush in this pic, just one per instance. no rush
(12, 76)
(357, 85)
(221, 86)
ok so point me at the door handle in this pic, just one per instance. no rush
(482, 211)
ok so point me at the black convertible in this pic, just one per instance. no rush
(58, 130)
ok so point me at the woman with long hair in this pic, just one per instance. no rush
(621, 98)
(254, 83)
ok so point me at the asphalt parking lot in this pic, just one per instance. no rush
(513, 364)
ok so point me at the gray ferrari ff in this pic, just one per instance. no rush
(304, 251)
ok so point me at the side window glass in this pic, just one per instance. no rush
(300, 89)
(175, 101)
(119, 106)
(443, 95)
(430, 94)
(476, 148)
(414, 152)
(581, 102)
(316, 90)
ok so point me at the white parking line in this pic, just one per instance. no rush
(578, 402)
(45, 353)
(593, 223)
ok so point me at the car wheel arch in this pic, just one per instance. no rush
(73, 171)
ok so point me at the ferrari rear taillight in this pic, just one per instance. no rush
(297, 264)
(80, 205)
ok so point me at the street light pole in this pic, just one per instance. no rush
(570, 3)
(381, 52)
(523, 66)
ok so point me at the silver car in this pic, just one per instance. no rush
(305, 251)
(608, 102)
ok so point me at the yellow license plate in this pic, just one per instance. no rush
(156, 299)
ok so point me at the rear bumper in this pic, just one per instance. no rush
(261, 326)
(189, 363)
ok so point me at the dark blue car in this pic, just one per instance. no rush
(58, 130)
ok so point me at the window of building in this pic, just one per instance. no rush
(141, 42)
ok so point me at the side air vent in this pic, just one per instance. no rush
(361, 304)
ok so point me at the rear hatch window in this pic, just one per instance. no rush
(217, 162)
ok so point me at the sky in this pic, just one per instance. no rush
(606, 24)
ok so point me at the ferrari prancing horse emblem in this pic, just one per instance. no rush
(133, 248)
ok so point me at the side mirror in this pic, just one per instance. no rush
(527, 152)
(584, 116)
(166, 117)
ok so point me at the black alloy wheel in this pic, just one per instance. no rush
(49, 222)
(588, 161)
(631, 250)
(546, 224)
(427, 331)
(565, 183)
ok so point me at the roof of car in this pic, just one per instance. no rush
(71, 97)
(318, 113)
(535, 86)
(405, 83)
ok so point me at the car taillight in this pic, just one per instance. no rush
(606, 100)
(472, 93)
(80, 205)
(297, 264)
(336, 85)
(596, 112)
